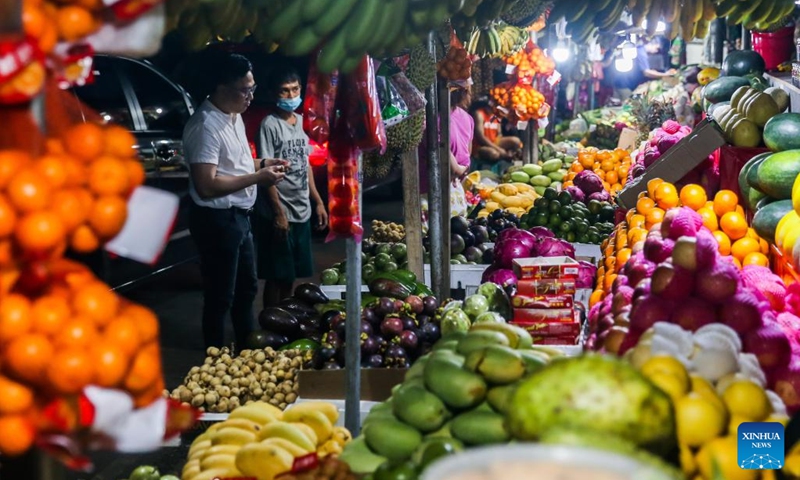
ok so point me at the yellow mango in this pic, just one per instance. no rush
(497, 196)
(507, 189)
(492, 206)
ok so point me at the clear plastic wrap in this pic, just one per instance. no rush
(343, 185)
(319, 104)
(361, 108)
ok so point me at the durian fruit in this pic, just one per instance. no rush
(407, 134)
(379, 166)
(524, 13)
(421, 70)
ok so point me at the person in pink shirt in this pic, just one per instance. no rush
(462, 130)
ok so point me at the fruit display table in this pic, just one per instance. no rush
(784, 82)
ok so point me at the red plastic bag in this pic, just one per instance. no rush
(319, 104)
(361, 108)
(343, 184)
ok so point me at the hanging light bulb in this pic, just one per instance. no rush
(661, 27)
(623, 64)
(561, 52)
(628, 50)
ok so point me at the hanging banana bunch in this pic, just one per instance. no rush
(496, 41)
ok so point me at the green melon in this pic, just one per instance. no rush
(766, 219)
(782, 132)
(776, 174)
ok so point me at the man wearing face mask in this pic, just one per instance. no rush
(222, 185)
(283, 212)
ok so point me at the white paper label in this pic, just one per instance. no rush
(151, 216)
(554, 78)
(517, 163)
(510, 69)
(543, 122)
(522, 125)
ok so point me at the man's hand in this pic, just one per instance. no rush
(322, 217)
(281, 226)
(271, 175)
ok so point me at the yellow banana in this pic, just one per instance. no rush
(216, 473)
(709, 12)
(241, 423)
(315, 419)
(341, 435)
(191, 469)
(328, 409)
(290, 432)
(232, 436)
(198, 448)
(221, 450)
(331, 447)
(218, 461)
(288, 446)
(257, 413)
(263, 461)
(307, 431)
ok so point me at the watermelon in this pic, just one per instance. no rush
(782, 132)
(745, 190)
(766, 219)
(742, 62)
(721, 89)
(775, 175)
(752, 178)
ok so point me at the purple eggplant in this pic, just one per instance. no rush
(391, 327)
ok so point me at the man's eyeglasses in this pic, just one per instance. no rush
(247, 92)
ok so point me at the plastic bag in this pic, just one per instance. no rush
(393, 108)
(361, 108)
(343, 184)
(318, 106)
(413, 98)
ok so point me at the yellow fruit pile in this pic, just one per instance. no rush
(516, 198)
(707, 417)
(722, 215)
(786, 234)
(259, 440)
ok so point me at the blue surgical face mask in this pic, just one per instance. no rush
(290, 104)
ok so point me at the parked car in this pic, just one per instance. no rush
(136, 95)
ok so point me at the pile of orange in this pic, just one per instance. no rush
(65, 20)
(456, 65)
(524, 100)
(610, 165)
(531, 61)
(722, 215)
(61, 329)
(74, 196)
(77, 333)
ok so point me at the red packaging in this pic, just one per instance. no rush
(566, 340)
(551, 329)
(318, 106)
(362, 108)
(343, 186)
(538, 315)
(533, 288)
(542, 301)
(541, 268)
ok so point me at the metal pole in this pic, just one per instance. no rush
(443, 262)
(434, 181)
(352, 403)
(412, 211)
(718, 40)
(746, 39)
(533, 125)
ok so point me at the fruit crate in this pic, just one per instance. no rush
(782, 266)
(364, 407)
(464, 279)
(588, 252)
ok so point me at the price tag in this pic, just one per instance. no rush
(129, 9)
(517, 163)
(543, 122)
(522, 125)
(510, 69)
(22, 71)
(554, 78)
(151, 217)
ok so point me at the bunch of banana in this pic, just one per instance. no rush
(261, 441)
(199, 23)
(345, 30)
(481, 13)
(496, 41)
(524, 13)
(694, 17)
(755, 14)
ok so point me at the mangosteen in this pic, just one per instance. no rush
(370, 315)
(409, 323)
(326, 352)
(391, 327)
(409, 340)
(338, 325)
(469, 239)
(422, 320)
(430, 332)
(374, 361)
(332, 365)
(385, 307)
(369, 345)
(366, 327)
(333, 339)
(395, 356)
(414, 303)
(398, 306)
(430, 304)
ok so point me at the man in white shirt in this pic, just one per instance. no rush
(222, 186)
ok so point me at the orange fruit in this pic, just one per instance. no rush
(666, 196)
(644, 205)
(40, 231)
(70, 207)
(33, 20)
(740, 210)
(622, 258)
(638, 220)
(108, 216)
(119, 142)
(150, 395)
(29, 191)
(15, 317)
(752, 233)
(734, 225)
(79, 331)
(651, 187)
(52, 167)
(743, 246)
(70, 370)
(737, 263)
(110, 364)
(693, 196)
(11, 161)
(656, 215)
(17, 398)
(136, 173)
(608, 281)
(49, 313)
(123, 333)
(709, 218)
(8, 217)
(84, 240)
(97, 302)
(764, 246)
(145, 369)
(756, 258)
(86, 141)
(725, 201)
(27, 357)
(76, 171)
(108, 176)
(146, 321)
(74, 22)
(723, 241)
(17, 435)
(596, 296)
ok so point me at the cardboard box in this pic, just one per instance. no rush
(566, 340)
(551, 329)
(533, 288)
(541, 315)
(677, 162)
(376, 383)
(541, 268)
(542, 301)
